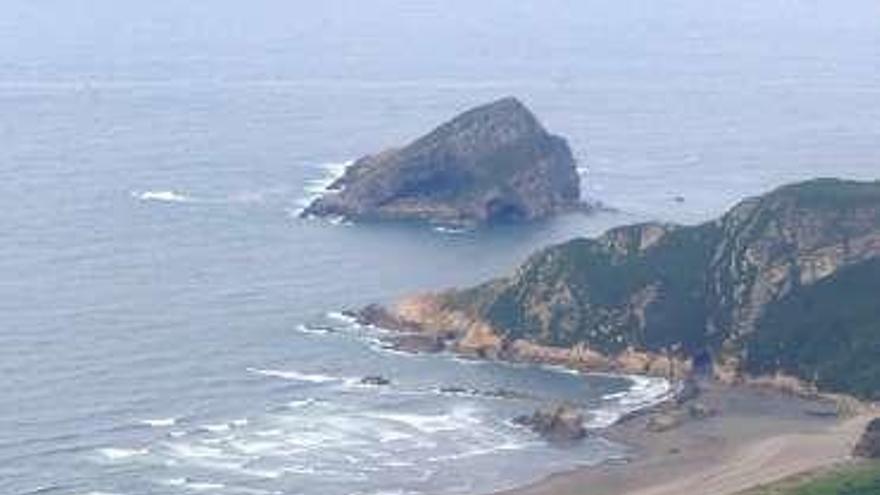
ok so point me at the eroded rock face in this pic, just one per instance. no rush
(492, 164)
(869, 445)
(558, 424)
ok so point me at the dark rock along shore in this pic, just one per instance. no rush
(492, 164)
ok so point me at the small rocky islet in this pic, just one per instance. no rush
(493, 164)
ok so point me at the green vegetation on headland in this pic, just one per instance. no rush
(849, 479)
(828, 332)
(788, 282)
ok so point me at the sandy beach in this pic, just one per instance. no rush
(757, 437)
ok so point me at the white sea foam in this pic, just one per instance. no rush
(160, 422)
(296, 404)
(480, 451)
(450, 230)
(319, 186)
(556, 368)
(199, 486)
(164, 196)
(264, 473)
(387, 435)
(296, 375)
(342, 317)
(311, 330)
(194, 451)
(273, 433)
(257, 447)
(216, 428)
(432, 423)
(339, 220)
(643, 392)
(116, 454)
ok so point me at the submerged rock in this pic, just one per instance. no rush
(492, 164)
(869, 445)
(377, 380)
(561, 423)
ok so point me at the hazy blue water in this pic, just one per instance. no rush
(115, 310)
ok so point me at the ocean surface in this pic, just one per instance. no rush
(167, 324)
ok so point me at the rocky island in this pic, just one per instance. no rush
(492, 164)
(783, 287)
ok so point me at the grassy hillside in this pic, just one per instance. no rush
(828, 333)
(859, 479)
(788, 281)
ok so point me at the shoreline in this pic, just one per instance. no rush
(757, 437)
(733, 435)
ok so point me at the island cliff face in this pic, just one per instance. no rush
(783, 284)
(492, 164)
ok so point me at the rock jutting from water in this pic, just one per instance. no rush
(492, 164)
(558, 424)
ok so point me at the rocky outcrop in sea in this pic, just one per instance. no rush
(558, 424)
(492, 164)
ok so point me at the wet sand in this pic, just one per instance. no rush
(757, 437)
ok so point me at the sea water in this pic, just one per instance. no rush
(168, 324)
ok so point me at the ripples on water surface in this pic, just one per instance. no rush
(162, 327)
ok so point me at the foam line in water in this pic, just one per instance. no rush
(116, 453)
(431, 423)
(450, 230)
(296, 375)
(167, 196)
(159, 422)
(313, 330)
(643, 392)
(319, 186)
(342, 317)
(199, 486)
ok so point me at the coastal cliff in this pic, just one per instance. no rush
(492, 164)
(785, 284)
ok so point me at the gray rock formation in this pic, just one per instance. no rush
(561, 423)
(869, 445)
(492, 164)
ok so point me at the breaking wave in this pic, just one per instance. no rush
(159, 422)
(162, 196)
(115, 453)
(296, 375)
(316, 187)
(644, 392)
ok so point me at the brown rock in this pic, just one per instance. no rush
(561, 423)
